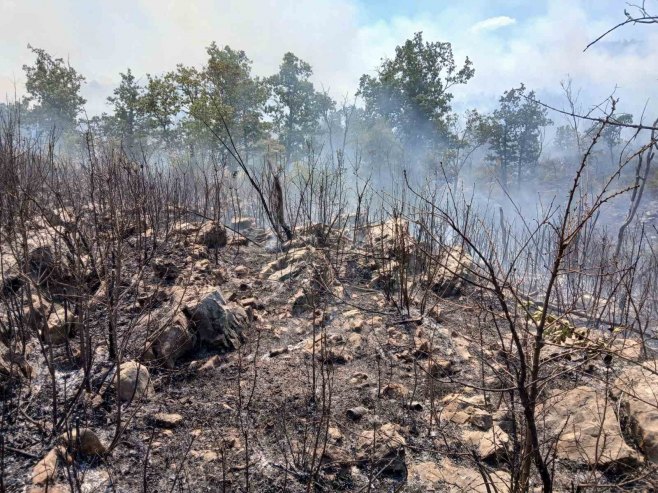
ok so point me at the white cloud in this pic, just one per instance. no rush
(151, 36)
(493, 23)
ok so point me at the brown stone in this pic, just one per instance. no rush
(85, 442)
(134, 381)
(588, 427)
(637, 388)
(383, 448)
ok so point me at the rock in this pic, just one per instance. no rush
(210, 364)
(463, 409)
(46, 469)
(637, 388)
(241, 271)
(394, 391)
(455, 268)
(86, 442)
(337, 356)
(243, 224)
(172, 341)
(588, 428)
(288, 266)
(50, 488)
(13, 367)
(334, 435)
(213, 235)
(437, 367)
(134, 381)
(453, 478)
(60, 326)
(300, 302)
(166, 420)
(359, 378)
(250, 302)
(383, 448)
(165, 269)
(205, 455)
(49, 270)
(487, 444)
(217, 324)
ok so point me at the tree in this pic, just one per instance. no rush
(224, 95)
(412, 91)
(296, 107)
(611, 134)
(515, 134)
(161, 103)
(53, 88)
(128, 118)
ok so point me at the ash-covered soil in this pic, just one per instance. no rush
(298, 370)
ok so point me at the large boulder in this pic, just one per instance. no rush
(487, 444)
(455, 269)
(48, 268)
(451, 477)
(464, 409)
(637, 389)
(588, 428)
(289, 265)
(133, 381)
(383, 448)
(45, 470)
(213, 235)
(217, 324)
(171, 341)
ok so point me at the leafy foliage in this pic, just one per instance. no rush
(54, 91)
(411, 91)
(295, 106)
(514, 133)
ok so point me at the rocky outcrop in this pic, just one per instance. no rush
(165, 269)
(383, 449)
(171, 341)
(46, 469)
(467, 409)
(637, 390)
(588, 428)
(455, 269)
(217, 324)
(488, 444)
(213, 235)
(452, 477)
(134, 381)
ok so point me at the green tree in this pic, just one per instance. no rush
(224, 95)
(611, 134)
(514, 133)
(161, 103)
(53, 88)
(412, 91)
(127, 120)
(296, 107)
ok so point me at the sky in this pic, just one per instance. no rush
(537, 42)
